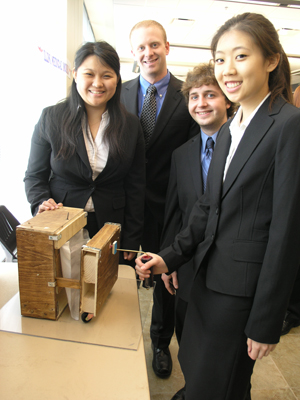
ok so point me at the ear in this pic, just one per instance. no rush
(228, 104)
(273, 62)
(167, 46)
(74, 73)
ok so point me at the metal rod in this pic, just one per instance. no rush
(132, 251)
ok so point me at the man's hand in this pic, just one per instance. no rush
(171, 282)
(157, 264)
(129, 255)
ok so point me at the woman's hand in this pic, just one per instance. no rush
(157, 263)
(49, 204)
(258, 350)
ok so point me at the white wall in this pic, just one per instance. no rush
(32, 31)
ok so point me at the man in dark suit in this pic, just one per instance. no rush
(210, 108)
(173, 127)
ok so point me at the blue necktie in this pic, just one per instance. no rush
(209, 148)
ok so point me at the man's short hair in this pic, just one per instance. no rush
(146, 24)
(203, 74)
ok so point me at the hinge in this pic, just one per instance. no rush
(55, 237)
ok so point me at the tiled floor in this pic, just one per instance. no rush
(276, 377)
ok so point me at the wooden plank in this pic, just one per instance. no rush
(70, 229)
(106, 267)
(51, 221)
(68, 283)
(64, 221)
(36, 269)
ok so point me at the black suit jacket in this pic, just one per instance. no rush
(117, 192)
(184, 189)
(245, 231)
(174, 126)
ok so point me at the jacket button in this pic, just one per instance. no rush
(146, 161)
(217, 211)
(212, 237)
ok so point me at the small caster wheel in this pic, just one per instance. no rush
(86, 317)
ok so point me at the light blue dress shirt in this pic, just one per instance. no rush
(160, 95)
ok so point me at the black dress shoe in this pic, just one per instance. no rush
(162, 362)
(289, 323)
(180, 395)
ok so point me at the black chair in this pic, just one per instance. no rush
(8, 224)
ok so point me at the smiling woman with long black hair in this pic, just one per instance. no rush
(88, 151)
(244, 231)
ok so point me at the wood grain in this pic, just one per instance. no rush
(39, 260)
(99, 268)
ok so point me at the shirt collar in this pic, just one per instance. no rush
(204, 138)
(103, 123)
(236, 128)
(161, 86)
(238, 115)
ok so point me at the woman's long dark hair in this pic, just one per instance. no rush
(266, 38)
(71, 112)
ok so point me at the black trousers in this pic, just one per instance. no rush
(163, 311)
(180, 312)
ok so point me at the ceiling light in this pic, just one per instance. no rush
(182, 22)
(257, 2)
(287, 31)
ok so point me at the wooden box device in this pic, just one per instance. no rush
(42, 293)
(99, 268)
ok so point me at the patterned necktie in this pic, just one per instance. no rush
(148, 113)
(209, 148)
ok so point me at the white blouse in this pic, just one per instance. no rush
(97, 151)
(237, 130)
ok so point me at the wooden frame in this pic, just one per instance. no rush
(99, 268)
(40, 277)
(42, 293)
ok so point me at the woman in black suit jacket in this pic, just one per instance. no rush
(245, 230)
(88, 151)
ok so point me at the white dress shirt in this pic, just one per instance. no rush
(97, 151)
(237, 130)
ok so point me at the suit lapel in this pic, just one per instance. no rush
(195, 163)
(81, 151)
(171, 102)
(131, 96)
(254, 133)
(109, 170)
(216, 170)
